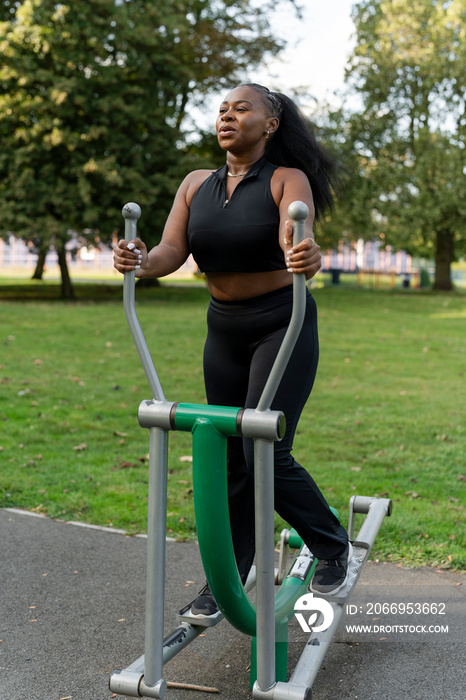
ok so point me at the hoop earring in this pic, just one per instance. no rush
(267, 134)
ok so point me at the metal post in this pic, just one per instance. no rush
(264, 477)
(157, 504)
(131, 213)
(265, 599)
(155, 577)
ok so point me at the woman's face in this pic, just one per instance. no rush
(243, 121)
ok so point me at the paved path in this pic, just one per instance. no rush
(72, 610)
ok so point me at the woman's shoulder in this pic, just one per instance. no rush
(284, 179)
(289, 174)
(193, 181)
(196, 177)
(194, 174)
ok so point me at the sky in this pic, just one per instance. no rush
(317, 50)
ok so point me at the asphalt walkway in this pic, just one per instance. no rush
(72, 611)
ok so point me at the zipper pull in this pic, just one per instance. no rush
(225, 203)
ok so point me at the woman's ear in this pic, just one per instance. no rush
(272, 125)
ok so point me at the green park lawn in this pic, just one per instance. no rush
(386, 417)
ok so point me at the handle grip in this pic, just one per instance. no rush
(131, 213)
(298, 213)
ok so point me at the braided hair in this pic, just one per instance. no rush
(294, 145)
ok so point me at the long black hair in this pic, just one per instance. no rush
(294, 145)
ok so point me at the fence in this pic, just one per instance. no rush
(365, 264)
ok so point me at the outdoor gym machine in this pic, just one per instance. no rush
(267, 622)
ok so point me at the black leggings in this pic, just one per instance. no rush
(242, 342)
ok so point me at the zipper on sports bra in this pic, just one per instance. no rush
(227, 201)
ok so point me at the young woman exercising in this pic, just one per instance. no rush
(234, 222)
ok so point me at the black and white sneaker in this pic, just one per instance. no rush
(331, 574)
(205, 604)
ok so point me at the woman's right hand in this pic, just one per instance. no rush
(131, 256)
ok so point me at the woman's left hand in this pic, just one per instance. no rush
(305, 257)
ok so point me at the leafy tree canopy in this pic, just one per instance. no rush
(406, 146)
(92, 101)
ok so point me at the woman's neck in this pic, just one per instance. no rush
(239, 163)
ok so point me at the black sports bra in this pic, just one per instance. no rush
(239, 234)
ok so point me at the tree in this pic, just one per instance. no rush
(408, 141)
(92, 102)
(8, 9)
(350, 218)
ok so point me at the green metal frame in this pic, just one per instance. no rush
(210, 427)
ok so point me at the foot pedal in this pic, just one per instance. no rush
(356, 563)
(185, 615)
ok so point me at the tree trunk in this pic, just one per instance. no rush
(67, 291)
(39, 271)
(444, 252)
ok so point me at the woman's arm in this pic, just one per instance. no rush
(291, 185)
(173, 249)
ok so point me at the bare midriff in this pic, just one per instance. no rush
(237, 286)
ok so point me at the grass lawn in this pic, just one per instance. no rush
(386, 416)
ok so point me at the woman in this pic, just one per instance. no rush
(234, 222)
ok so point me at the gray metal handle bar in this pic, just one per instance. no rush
(131, 213)
(298, 213)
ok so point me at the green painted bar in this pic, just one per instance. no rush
(210, 427)
(224, 418)
(213, 526)
(214, 535)
(294, 540)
